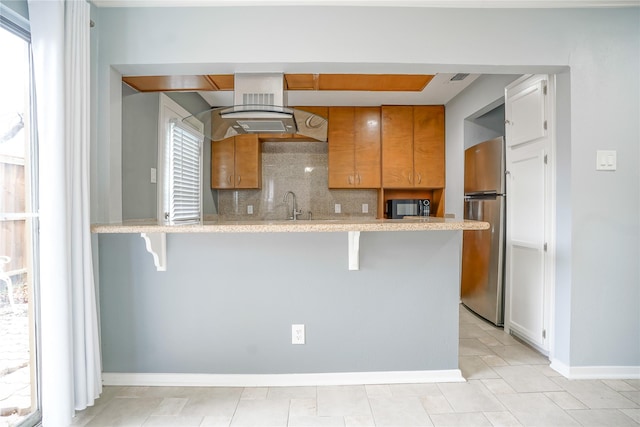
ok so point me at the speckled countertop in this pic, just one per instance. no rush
(318, 226)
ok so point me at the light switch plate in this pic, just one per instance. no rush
(606, 160)
(154, 176)
(338, 208)
(365, 208)
(250, 209)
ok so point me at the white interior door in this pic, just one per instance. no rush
(528, 143)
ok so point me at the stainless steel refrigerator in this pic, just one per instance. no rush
(482, 284)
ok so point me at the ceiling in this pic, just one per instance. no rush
(323, 89)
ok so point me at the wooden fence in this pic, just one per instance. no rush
(12, 201)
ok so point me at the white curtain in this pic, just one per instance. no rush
(70, 351)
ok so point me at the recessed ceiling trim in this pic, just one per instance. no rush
(222, 81)
(168, 83)
(301, 81)
(374, 82)
(294, 82)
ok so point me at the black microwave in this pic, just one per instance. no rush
(399, 208)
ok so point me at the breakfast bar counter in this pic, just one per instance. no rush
(301, 226)
(154, 233)
(378, 300)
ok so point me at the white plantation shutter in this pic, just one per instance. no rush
(183, 169)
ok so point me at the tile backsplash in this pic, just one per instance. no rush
(300, 167)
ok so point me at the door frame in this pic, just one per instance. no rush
(550, 210)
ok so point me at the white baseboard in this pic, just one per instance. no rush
(280, 380)
(595, 372)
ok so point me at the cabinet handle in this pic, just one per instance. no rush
(350, 179)
(229, 179)
(419, 178)
(239, 178)
(359, 179)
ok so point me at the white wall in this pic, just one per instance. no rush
(599, 46)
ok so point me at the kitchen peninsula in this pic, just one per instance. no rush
(221, 313)
(378, 298)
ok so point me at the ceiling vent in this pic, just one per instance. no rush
(459, 77)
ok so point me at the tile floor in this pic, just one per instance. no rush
(508, 385)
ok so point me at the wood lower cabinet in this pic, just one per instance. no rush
(413, 146)
(354, 147)
(236, 163)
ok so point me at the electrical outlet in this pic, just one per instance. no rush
(250, 209)
(154, 176)
(297, 334)
(338, 208)
(365, 208)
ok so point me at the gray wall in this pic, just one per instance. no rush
(18, 6)
(227, 302)
(493, 120)
(139, 153)
(562, 344)
(599, 47)
(488, 125)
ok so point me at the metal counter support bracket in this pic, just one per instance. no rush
(157, 246)
(354, 250)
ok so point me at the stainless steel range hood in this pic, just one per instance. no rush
(260, 107)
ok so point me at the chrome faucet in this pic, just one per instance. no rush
(294, 211)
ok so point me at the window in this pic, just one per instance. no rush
(19, 401)
(183, 163)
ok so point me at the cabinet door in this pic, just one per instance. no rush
(248, 171)
(397, 147)
(341, 138)
(367, 147)
(222, 164)
(428, 146)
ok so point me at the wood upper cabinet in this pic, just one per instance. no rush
(428, 146)
(223, 163)
(248, 172)
(354, 147)
(341, 140)
(397, 147)
(235, 163)
(413, 146)
(367, 147)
